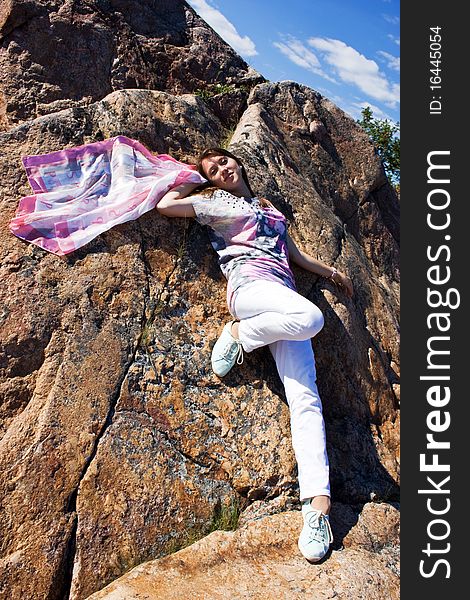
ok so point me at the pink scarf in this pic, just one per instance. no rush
(81, 192)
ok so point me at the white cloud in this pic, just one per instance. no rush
(330, 94)
(394, 39)
(393, 19)
(300, 55)
(227, 31)
(393, 62)
(354, 68)
(355, 110)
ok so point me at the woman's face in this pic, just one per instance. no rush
(223, 172)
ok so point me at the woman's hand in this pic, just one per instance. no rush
(320, 268)
(344, 282)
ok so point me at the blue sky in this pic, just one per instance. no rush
(347, 50)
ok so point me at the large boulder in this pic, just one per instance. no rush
(118, 438)
(261, 561)
(118, 444)
(55, 54)
(318, 166)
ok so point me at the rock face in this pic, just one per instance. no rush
(118, 444)
(261, 560)
(56, 54)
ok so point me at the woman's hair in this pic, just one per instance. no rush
(223, 152)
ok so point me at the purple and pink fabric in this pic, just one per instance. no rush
(82, 192)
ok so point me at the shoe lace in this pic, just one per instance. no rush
(232, 347)
(319, 528)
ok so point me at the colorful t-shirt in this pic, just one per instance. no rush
(250, 239)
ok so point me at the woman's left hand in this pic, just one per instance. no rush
(344, 282)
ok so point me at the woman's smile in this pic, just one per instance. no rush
(224, 172)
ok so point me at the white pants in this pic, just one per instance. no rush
(272, 314)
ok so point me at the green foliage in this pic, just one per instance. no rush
(224, 518)
(219, 88)
(212, 90)
(383, 134)
(225, 141)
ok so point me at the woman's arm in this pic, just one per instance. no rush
(177, 202)
(317, 266)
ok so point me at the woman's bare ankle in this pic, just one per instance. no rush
(234, 329)
(322, 503)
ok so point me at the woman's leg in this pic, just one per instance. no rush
(296, 367)
(270, 311)
(272, 314)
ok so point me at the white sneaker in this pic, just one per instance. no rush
(316, 535)
(226, 352)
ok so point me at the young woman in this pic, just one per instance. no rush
(249, 235)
